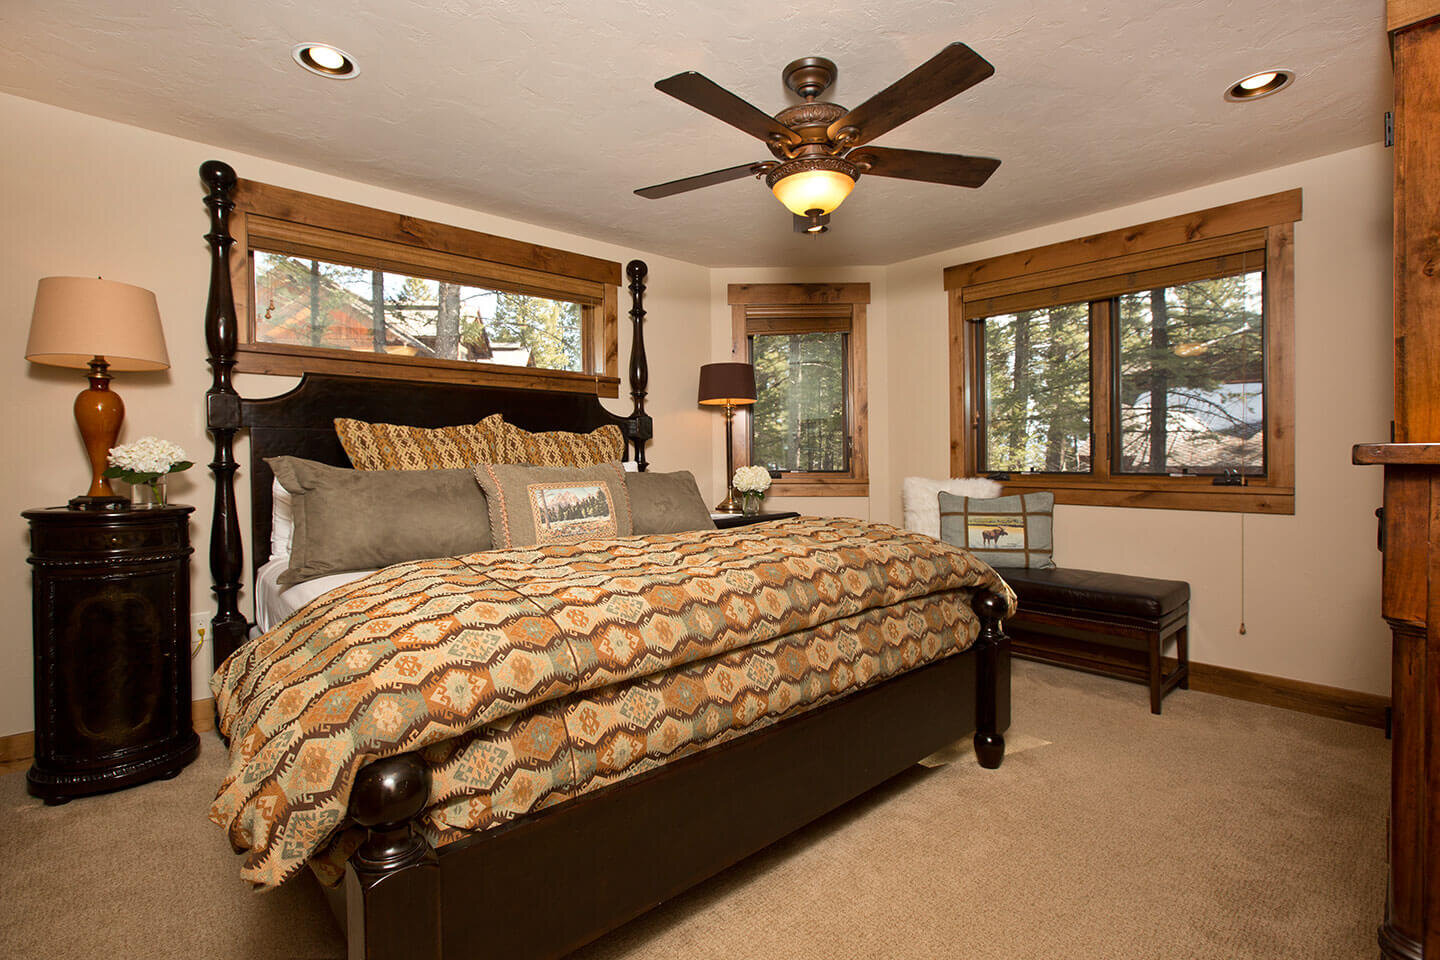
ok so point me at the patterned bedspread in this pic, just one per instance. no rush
(530, 676)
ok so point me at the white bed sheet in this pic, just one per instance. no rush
(274, 603)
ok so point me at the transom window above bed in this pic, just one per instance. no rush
(332, 287)
(301, 301)
(1151, 366)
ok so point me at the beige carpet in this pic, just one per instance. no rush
(1220, 830)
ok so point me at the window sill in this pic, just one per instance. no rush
(815, 487)
(1180, 493)
(290, 360)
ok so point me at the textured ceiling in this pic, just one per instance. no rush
(545, 111)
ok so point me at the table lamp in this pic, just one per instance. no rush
(730, 384)
(100, 325)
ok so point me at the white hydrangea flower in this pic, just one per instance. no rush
(147, 455)
(751, 479)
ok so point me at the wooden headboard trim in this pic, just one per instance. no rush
(298, 422)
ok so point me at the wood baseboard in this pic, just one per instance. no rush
(1334, 702)
(18, 749)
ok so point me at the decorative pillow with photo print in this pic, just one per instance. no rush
(532, 506)
(1014, 531)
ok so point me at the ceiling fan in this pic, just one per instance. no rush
(821, 148)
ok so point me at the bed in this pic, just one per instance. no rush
(549, 880)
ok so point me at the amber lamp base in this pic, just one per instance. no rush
(99, 412)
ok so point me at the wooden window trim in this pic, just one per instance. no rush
(280, 220)
(770, 308)
(1249, 234)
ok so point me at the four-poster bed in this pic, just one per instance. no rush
(548, 881)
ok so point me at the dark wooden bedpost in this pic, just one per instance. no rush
(392, 882)
(992, 701)
(640, 428)
(222, 414)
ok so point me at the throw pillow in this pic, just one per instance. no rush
(667, 503)
(1014, 531)
(392, 446)
(542, 505)
(922, 510)
(366, 519)
(560, 448)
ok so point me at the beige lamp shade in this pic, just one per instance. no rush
(77, 318)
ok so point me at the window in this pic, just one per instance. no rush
(333, 287)
(1145, 367)
(807, 425)
(1037, 391)
(1190, 382)
(320, 304)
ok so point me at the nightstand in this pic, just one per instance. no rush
(725, 521)
(112, 654)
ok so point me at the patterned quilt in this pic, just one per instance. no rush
(526, 677)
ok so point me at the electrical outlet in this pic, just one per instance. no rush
(201, 648)
(199, 632)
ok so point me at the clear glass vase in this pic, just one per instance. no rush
(750, 504)
(147, 496)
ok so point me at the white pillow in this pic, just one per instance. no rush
(282, 521)
(920, 498)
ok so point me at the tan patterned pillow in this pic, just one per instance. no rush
(539, 505)
(391, 446)
(560, 448)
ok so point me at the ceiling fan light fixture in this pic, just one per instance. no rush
(813, 223)
(1259, 85)
(812, 183)
(325, 60)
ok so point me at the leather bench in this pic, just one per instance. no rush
(1106, 623)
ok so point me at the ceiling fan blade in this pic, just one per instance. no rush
(703, 180)
(953, 169)
(705, 94)
(952, 70)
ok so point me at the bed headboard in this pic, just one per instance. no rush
(299, 422)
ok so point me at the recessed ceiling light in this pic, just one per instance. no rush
(1259, 85)
(325, 60)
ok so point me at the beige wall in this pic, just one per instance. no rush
(83, 196)
(1312, 581)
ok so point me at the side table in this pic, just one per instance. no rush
(111, 610)
(725, 521)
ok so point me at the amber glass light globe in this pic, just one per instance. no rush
(822, 190)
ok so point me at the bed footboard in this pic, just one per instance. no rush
(657, 834)
(392, 883)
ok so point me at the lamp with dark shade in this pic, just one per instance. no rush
(99, 325)
(730, 384)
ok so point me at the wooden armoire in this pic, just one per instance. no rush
(1410, 524)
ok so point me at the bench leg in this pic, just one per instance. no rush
(1182, 656)
(1155, 681)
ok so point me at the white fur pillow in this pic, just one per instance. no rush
(920, 498)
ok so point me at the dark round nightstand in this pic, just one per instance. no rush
(112, 651)
(729, 520)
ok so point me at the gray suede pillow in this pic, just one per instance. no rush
(365, 519)
(667, 503)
